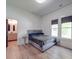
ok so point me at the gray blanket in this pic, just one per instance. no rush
(44, 38)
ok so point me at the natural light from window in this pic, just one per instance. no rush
(66, 30)
(55, 30)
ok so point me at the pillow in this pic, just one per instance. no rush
(36, 34)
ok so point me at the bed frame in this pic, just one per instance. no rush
(45, 47)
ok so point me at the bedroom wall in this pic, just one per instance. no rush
(46, 23)
(25, 21)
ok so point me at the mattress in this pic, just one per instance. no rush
(42, 39)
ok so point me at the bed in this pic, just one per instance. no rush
(41, 41)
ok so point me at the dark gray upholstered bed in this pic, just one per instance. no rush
(40, 41)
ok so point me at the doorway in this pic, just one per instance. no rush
(12, 31)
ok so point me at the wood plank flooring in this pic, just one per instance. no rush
(29, 52)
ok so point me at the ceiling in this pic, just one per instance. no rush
(39, 9)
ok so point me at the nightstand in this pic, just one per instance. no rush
(25, 39)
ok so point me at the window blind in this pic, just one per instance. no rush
(54, 21)
(66, 19)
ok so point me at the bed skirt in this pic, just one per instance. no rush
(44, 47)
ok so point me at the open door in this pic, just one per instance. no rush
(6, 32)
(12, 30)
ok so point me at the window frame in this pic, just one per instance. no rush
(66, 20)
(66, 27)
(54, 22)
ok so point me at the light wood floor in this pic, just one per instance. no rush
(29, 52)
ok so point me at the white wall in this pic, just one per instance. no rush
(25, 21)
(46, 24)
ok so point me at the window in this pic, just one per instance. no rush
(8, 27)
(13, 27)
(66, 30)
(66, 27)
(54, 28)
